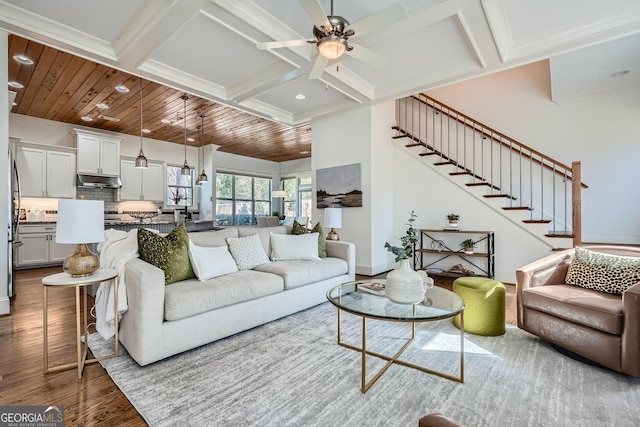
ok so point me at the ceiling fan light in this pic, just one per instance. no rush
(332, 47)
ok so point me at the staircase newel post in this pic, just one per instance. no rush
(576, 203)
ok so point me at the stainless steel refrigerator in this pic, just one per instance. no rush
(14, 219)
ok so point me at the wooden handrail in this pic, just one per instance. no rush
(492, 133)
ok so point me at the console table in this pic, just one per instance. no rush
(436, 249)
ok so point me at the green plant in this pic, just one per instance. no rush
(468, 243)
(453, 217)
(408, 241)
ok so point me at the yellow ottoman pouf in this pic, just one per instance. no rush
(484, 312)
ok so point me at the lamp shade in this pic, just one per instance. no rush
(332, 218)
(80, 221)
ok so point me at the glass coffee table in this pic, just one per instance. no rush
(438, 304)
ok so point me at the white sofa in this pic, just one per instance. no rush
(164, 320)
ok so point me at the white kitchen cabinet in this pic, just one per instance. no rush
(98, 154)
(46, 173)
(142, 184)
(39, 246)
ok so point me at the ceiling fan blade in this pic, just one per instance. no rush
(387, 16)
(316, 13)
(276, 45)
(367, 56)
(318, 67)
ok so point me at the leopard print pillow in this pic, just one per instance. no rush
(612, 274)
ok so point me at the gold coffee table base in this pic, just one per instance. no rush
(364, 385)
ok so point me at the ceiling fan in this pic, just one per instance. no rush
(332, 35)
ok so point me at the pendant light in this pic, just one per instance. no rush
(186, 169)
(141, 160)
(203, 176)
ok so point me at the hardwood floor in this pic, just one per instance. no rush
(90, 401)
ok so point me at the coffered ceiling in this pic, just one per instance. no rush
(207, 49)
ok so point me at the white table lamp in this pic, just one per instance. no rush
(80, 222)
(333, 220)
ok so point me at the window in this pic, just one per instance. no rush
(305, 197)
(298, 201)
(289, 201)
(241, 198)
(179, 188)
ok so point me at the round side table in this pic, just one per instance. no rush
(66, 280)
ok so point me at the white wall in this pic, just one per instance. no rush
(602, 132)
(4, 176)
(361, 136)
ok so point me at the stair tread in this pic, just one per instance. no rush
(400, 136)
(494, 196)
(516, 208)
(476, 184)
(417, 144)
(461, 173)
(536, 221)
(430, 153)
(446, 162)
(561, 235)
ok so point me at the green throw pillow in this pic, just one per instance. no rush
(322, 243)
(603, 272)
(169, 253)
(298, 228)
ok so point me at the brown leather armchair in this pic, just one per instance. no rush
(601, 327)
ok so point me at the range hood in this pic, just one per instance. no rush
(95, 181)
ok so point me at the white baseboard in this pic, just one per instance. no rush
(369, 270)
(5, 305)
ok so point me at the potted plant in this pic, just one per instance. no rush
(453, 219)
(404, 284)
(408, 240)
(468, 245)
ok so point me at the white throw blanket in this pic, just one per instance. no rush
(116, 250)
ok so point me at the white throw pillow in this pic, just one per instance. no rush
(294, 247)
(247, 251)
(210, 262)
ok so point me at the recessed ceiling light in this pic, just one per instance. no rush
(108, 118)
(16, 85)
(23, 59)
(86, 118)
(122, 88)
(305, 152)
(14, 104)
(190, 139)
(146, 131)
(102, 106)
(166, 121)
(620, 73)
(300, 96)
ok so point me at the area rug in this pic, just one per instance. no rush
(291, 372)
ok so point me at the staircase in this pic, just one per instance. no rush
(535, 191)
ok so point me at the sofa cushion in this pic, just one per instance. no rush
(300, 273)
(247, 251)
(579, 305)
(210, 262)
(603, 272)
(169, 253)
(264, 233)
(292, 247)
(298, 229)
(191, 297)
(213, 237)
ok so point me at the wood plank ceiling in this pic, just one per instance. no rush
(62, 87)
